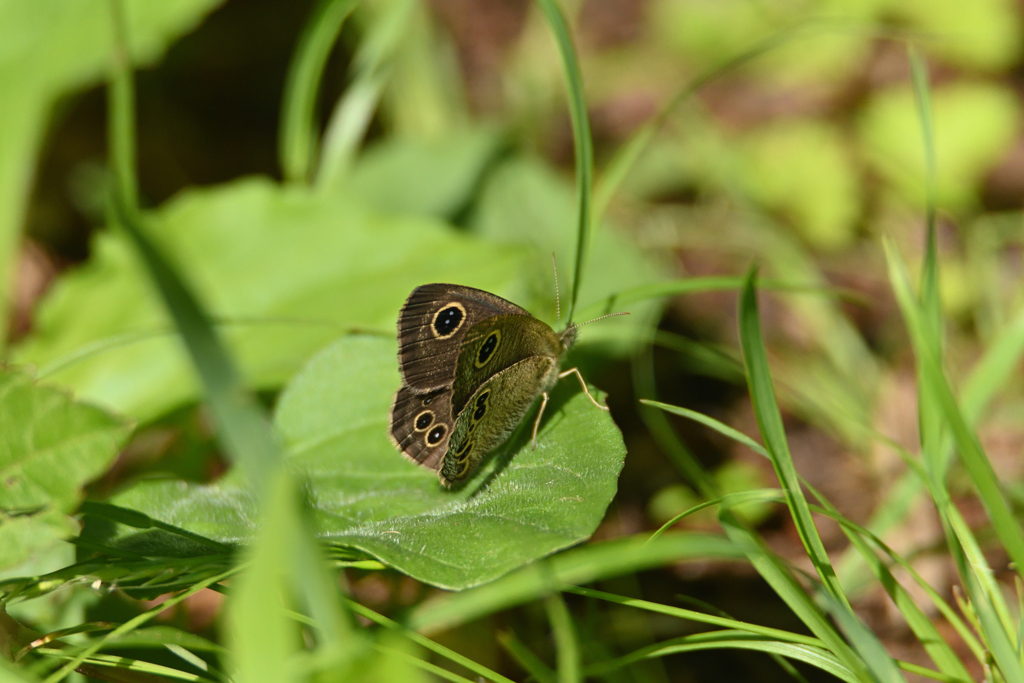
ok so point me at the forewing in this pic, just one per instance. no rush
(431, 327)
(495, 344)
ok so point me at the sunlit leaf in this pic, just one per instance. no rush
(47, 48)
(365, 495)
(286, 270)
(50, 447)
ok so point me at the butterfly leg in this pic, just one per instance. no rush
(582, 384)
(536, 423)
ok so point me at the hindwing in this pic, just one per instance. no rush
(492, 413)
(422, 424)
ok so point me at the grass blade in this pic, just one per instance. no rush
(297, 138)
(566, 646)
(717, 640)
(769, 422)
(699, 617)
(242, 426)
(355, 108)
(526, 659)
(425, 642)
(778, 576)
(582, 141)
(692, 285)
(581, 565)
(871, 650)
(973, 457)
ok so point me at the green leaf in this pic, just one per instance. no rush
(286, 269)
(51, 47)
(50, 447)
(365, 495)
(436, 177)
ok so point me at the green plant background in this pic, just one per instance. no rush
(435, 145)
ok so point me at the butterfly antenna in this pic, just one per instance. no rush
(609, 315)
(558, 304)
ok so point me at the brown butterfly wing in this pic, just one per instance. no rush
(421, 425)
(431, 327)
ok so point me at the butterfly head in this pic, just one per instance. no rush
(568, 336)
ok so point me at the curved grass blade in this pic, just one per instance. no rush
(721, 619)
(243, 427)
(425, 642)
(766, 632)
(415, 661)
(769, 421)
(525, 658)
(297, 137)
(134, 623)
(974, 459)
(582, 141)
(730, 500)
(355, 108)
(581, 565)
(645, 385)
(627, 156)
(103, 667)
(785, 585)
(719, 427)
(728, 639)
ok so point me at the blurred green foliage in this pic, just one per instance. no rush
(433, 143)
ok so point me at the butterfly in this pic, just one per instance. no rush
(472, 364)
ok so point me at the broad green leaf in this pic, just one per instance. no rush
(365, 495)
(50, 447)
(436, 177)
(34, 535)
(285, 269)
(974, 125)
(51, 47)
